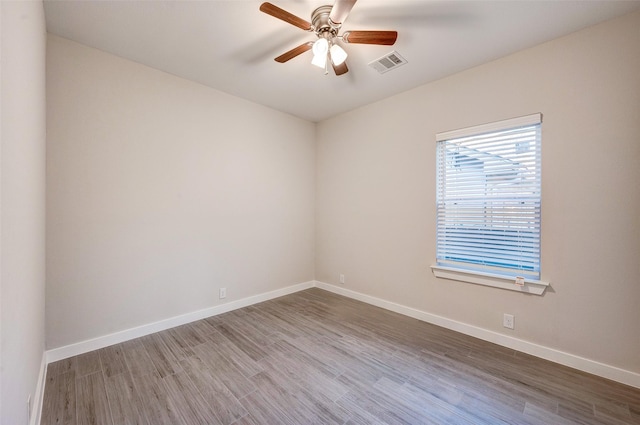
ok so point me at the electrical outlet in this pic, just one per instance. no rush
(223, 293)
(508, 321)
(341, 278)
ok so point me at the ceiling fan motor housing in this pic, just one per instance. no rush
(322, 25)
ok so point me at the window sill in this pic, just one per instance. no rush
(536, 287)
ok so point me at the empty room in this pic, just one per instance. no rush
(297, 211)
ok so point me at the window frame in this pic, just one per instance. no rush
(479, 273)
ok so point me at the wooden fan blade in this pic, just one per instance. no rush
(387, 38)
(340, 69)
(340, 10)
(276, 12)
(294, 52)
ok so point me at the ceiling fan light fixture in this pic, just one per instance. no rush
(320, 49)
(338, 55)
(319, 60)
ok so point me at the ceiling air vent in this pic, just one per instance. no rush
(388, 62)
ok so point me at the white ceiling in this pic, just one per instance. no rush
(230, 45)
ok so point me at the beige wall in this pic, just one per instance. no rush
(160, 191)
(22, 206)
(375, 203)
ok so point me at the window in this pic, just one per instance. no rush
(488, 200)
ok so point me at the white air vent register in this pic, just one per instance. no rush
(388, 62)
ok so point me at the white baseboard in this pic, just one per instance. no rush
(82, 347)
(547, 353)
(36, 407)
(551, 354)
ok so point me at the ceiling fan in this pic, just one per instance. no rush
(326, 22)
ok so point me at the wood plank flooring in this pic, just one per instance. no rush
(314, 357)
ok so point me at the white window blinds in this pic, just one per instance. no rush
(488, 198)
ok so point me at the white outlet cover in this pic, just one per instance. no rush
(508, 321)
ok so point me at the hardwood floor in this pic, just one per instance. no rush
(314, 357)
